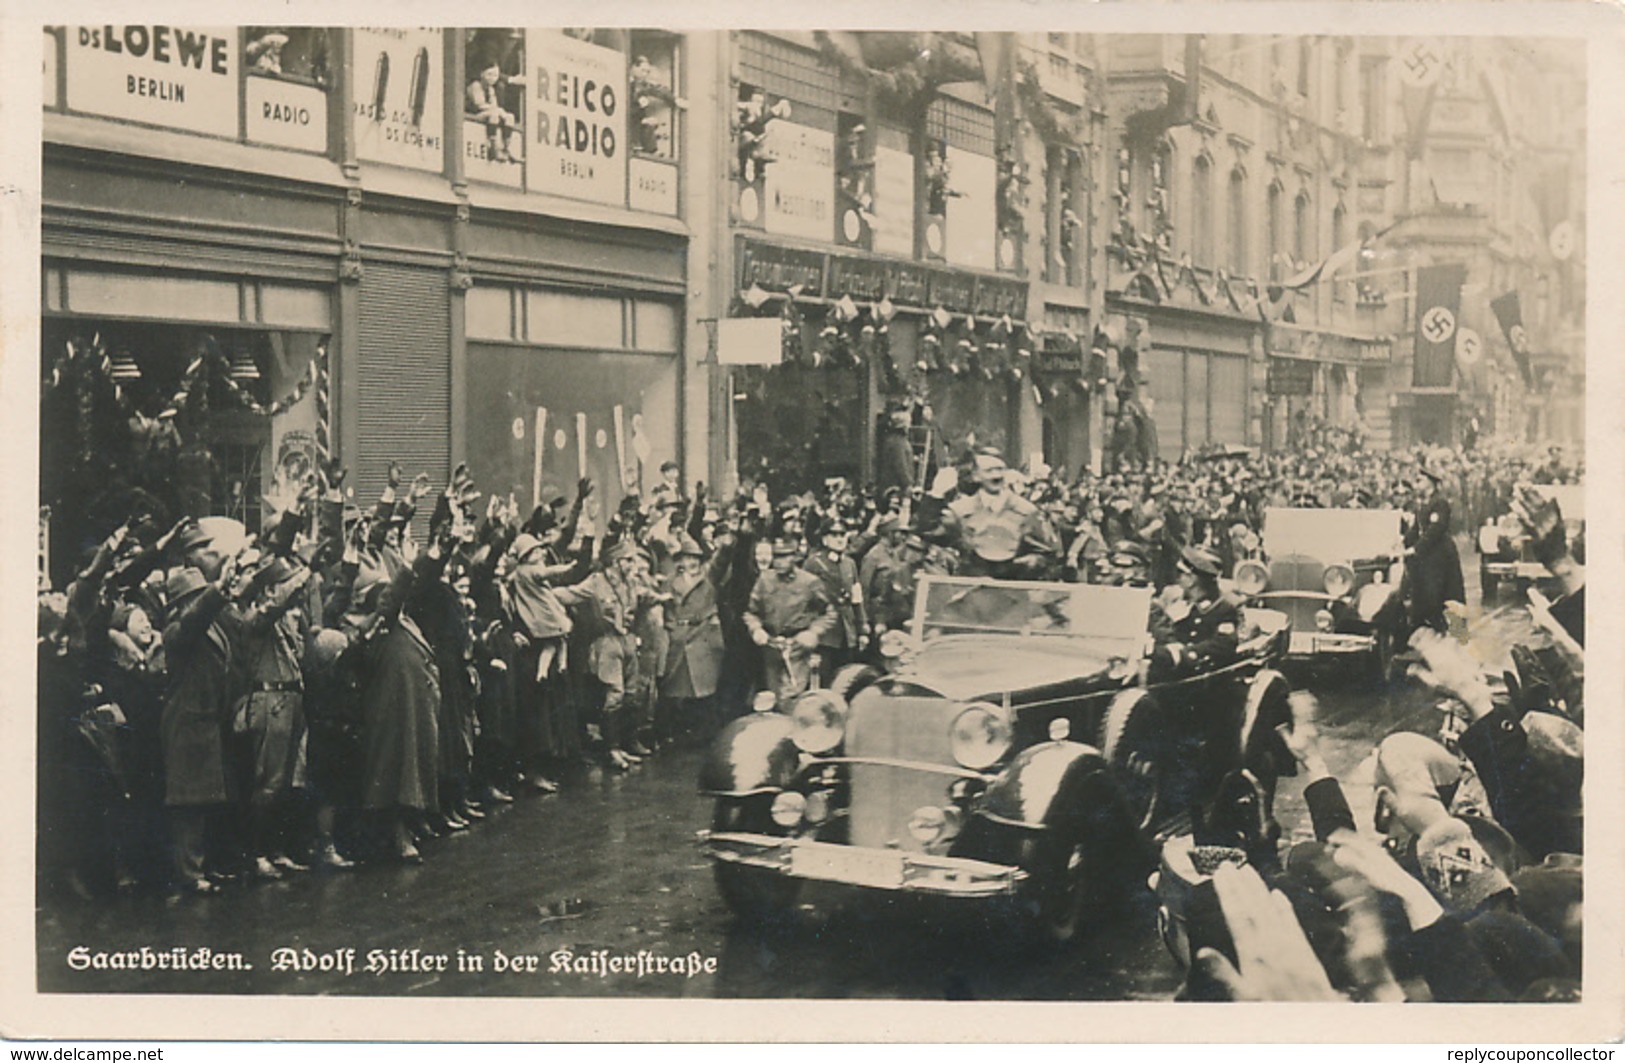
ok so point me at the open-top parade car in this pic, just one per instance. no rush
(1015, 753)
(1335, 573)
(1505, 554)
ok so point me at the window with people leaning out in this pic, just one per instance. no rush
(654, 93)
(494, 98)
(288, 53)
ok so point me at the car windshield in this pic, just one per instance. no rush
(1332, 535)
(956, 605)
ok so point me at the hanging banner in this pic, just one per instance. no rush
(800, 184)
(1508, 311)
(172, 76)
(400, 97)
(894, 202)
(972, 214)
(1438, 302)
(577, 145)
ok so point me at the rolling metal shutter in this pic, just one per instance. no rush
(403, 381)
(1227, 381)
(1167, 371)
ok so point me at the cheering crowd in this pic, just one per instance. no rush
(338, 688)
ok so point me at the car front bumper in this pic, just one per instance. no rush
(1308, 644)
(885, 869)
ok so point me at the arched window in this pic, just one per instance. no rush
(1340, 239)
(1303, 230)
(1273, 223)
(1202, 211)
(1236, 222)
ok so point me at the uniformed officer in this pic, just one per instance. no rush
(849, 635)
(1433, 567)
(998, 533)
(1196, 632)
(788, 607)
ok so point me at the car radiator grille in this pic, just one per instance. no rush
(884, 796)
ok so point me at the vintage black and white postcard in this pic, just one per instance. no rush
(601, 521)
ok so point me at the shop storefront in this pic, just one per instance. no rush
(860, 331)
(574, 310)
(1197, 378)
(189, 294)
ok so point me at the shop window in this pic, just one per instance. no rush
(656, 326)
(489, 313)
(289, 53)
(236, 406)
(655, 93)
(565, 319)
(494, 96)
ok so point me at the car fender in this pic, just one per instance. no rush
(1026, 792)
(751, 755)
(1371, 599)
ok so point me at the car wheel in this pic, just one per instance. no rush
(1382, 657)
(1063, 887)
(1133, 737)
(753, 894)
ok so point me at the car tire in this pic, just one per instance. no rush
(753, 894)
(1064, 893)
(1133, 737)
(1382, 658)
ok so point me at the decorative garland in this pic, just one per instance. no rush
(282, 405)
(99, 363)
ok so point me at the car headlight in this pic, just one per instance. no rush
(1339, 580)
(788, 808)
(979, 737)
(1252, 578)
(818, 721)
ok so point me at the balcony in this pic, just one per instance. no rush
(1147, 82)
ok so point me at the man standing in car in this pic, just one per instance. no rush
(849, 635)
(788, 605)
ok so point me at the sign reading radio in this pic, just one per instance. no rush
(578, 121)
(172, 76)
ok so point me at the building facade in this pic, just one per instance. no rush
(561, 253)
(423, 245)
(1479, 155)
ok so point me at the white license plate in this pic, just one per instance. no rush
(1302, 642)
(860, 867)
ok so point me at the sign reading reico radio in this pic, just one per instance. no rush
(180, 77)
(400, 97)
(577, 145)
